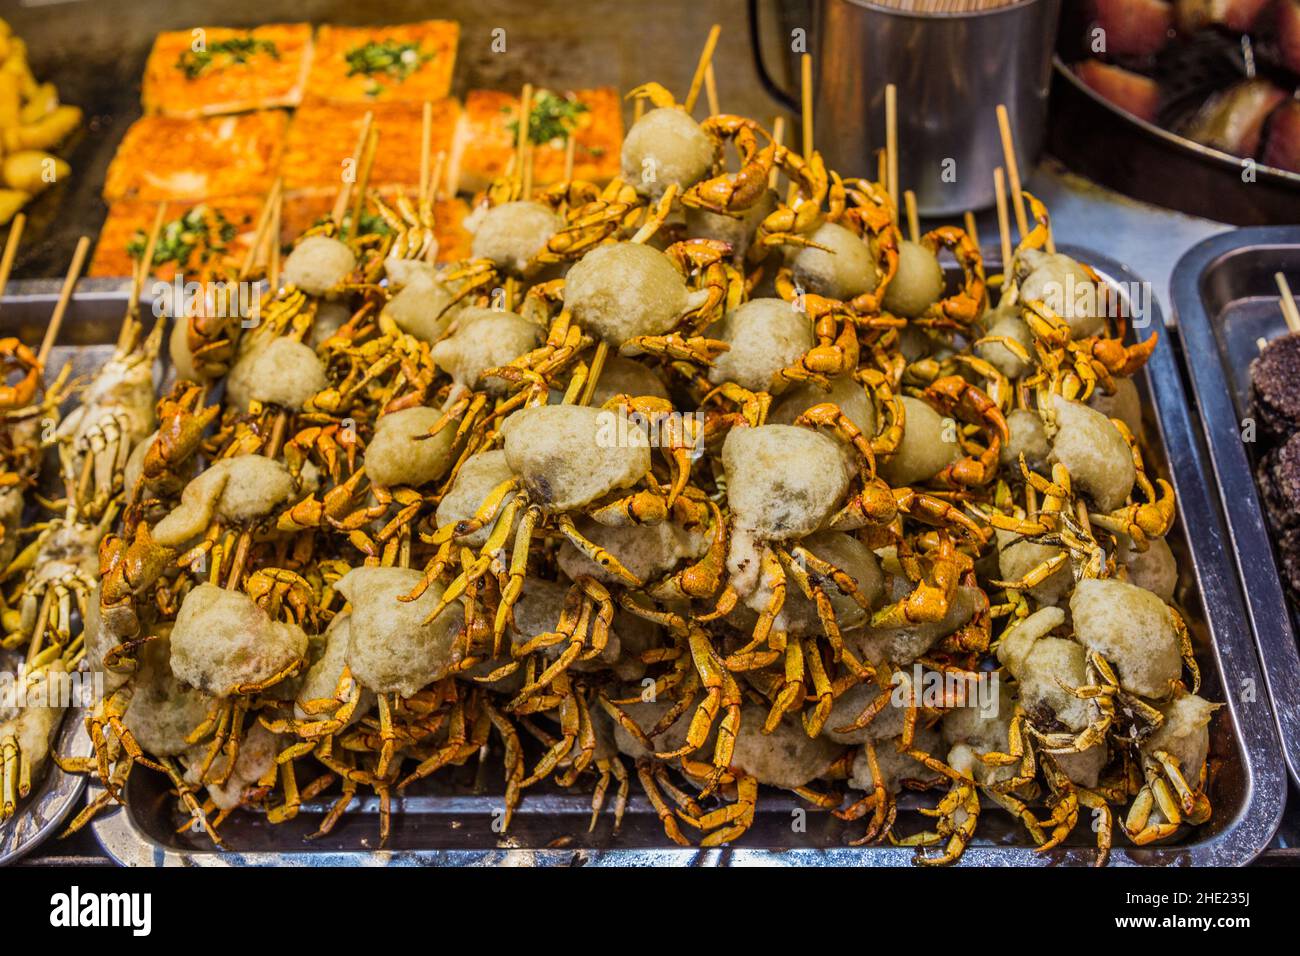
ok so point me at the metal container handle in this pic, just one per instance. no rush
(773, 88)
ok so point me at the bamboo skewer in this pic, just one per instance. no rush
(521, 138)
(435, 176)
(570, 151)
(65, 296)
(972, 229)
(778, 134)
(426, 145)
(359, 200)
(141, 273)
(805, 78)
(1004, 220)
(145, 265)
(1013, 170)
(711, 91)
(259, 232)
(431, 189)
(1290, 311)
(891, 142)
(526, 183)
(913, 220)
(702, 67)
(345, 193)
(11, 250)
(273, 237)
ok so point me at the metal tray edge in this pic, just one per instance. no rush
(1270, 616)
(1240, 841)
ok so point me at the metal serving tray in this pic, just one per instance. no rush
(450, 822)
(1226, 301)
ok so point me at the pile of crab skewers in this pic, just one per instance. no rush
(696, 477)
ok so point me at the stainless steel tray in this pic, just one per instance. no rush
(52, 799)
(450, 822)
(1226, 300)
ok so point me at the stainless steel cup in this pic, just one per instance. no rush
(951, 71)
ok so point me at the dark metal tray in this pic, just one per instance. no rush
(450, 822)
(1226, 300)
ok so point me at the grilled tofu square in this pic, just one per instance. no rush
(195, 237)
(164, 157)
(323, 135)
(593, 117)
(212, 70)
(410, 62)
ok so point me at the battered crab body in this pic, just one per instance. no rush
(163, 712)
(1132, 628)
(1094, 451)
(1066, 287)
(393, 648)
(484, 339)
(1028, 438)
(624, 290)
(286, 373)
(783, 481)
(424, 307)
(569, 455)
(513, 234)
(235, 490)
(905, 643)
(223, 642)
(319, 265)
(929, 445)
(766, 336)
(474, 483)
(896, 765)
(664, 147)
(839, 266)
(401, 453)
(917, 284)
(648, 551)
(323, 678)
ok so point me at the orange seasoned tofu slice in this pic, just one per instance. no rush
(323, 136)
(303, 210)
(194, 236)
(212, 70)
(407, 62)
(593, 117)
(163, 157)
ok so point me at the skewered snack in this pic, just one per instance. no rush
(53, 572)
(1274, 405)
(626, 484)
(1274, 398)
(212, 70)
(32, 123)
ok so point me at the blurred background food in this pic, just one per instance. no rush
(1222, 73)
(33, 124)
